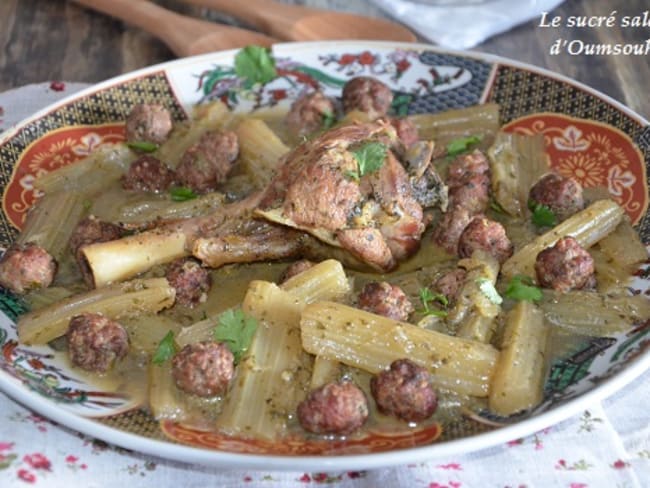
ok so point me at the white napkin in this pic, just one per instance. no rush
(462, 27)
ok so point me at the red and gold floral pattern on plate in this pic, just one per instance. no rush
(56, 149)
(593, 153)
(372, 441)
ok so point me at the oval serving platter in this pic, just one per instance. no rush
(588, 136)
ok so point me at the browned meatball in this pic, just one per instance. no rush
(204, 368)
(561, 194)
(407, 131)
(450, 283)
(310, 113)
(487, 235)
(404, 391)
(450, 227)
(467, 166)
(368, 95)
(148, 174)
(26, 267)
(95, 342)
(295, 269)
(335, 408)
(469, 182)
(148, 123)
(565, 266)
(385, 299)
(207, 163)
(190, 280)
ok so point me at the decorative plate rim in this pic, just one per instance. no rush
(193, 455)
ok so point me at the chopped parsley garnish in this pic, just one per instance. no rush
(370, 157)
(487, 288)
(255, 65)
(142, 146)
(542, 216)
(427, 298)
(236, 330)
(166, 349)
(521, 288)
(182, 194)
(459, 146)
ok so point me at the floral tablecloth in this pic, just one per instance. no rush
(607, 445)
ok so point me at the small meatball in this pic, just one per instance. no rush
(561, 194)
(404, 391)
(95, 342)
(26, 267)
(148, 123)
(467, 166)
(295, 269)
(565, 266)
(203, 369)
(450, 283)
(367, 95)
(385, 299)
(407, 131)
(473, 195)
(190, 280)
(309, 113)
(487, 235)
(148, 174)
(447, 232)
(208, 162)
(335, 408)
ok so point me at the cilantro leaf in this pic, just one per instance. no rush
(142, 146)
(182, 194)
(459, 146)
(542, 216)
(427, 297)
(236, 330)
(166, 349)
(370, 157)
(255, 65)
(521, 288)
(487, 288)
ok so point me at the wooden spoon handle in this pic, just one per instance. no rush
(266, 15)
(184, 35)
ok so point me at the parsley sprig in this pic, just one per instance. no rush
(370, 157)
(255, 64)
(428, 298)
(521, 287)
(542, 215)
(182, 194)
(236, 330)
(165, 350)
(461, 145)
(142, 146)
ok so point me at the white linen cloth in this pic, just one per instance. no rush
(607, 445)
(464, 26)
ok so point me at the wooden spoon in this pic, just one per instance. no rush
(184, 35)
(298, 23)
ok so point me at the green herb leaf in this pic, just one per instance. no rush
(487, 288)
(427, 297)
(236, 330)
(182, 194)
(256, 65)
(496, 206)
(542, 216)
(142, 146)
(459, 146)
(166, 349)
(370, 157)
(521, 288)
(329, 119)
